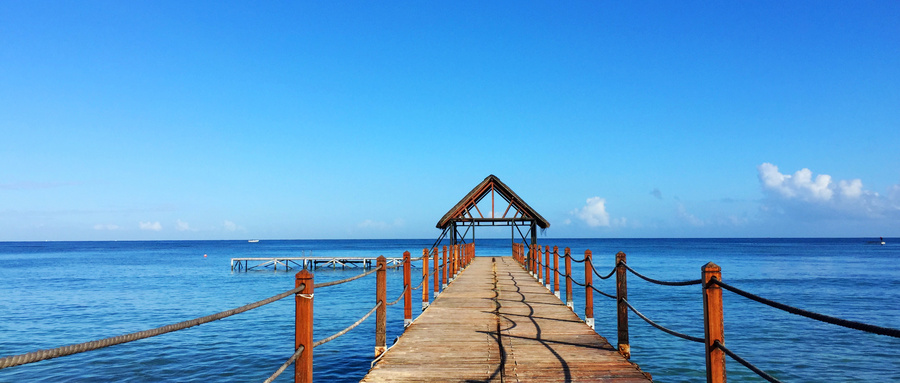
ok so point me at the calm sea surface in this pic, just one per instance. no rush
(61, 293)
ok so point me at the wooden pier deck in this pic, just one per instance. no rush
(495, 323)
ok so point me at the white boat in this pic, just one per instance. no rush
(253, 241)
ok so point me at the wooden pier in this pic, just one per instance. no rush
(312, 263)
(496, 323)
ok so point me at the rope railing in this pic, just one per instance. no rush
(892, 332)
(660, 327)
(664, 283)
(398, 298)
(284, 366)
(611, 273)
(348, 329)
(745, 363)
(353, 278)
(36, 356)
(602, 293)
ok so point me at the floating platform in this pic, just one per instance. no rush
(311, 263)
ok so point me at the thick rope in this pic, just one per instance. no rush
(602, 293)
(424, 278)
(664, 283)
(332, 283)
(31, 357)
(892, 332)
(611, 273)
(284, 366)
(346, 330)
(747, 364)
(577, 261)
(398, 298)
(668, 331)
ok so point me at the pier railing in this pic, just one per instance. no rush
(537, 262)
(455, 259)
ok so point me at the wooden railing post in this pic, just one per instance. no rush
(588, 291)
(713, 323)
(424, 279)
(444, 271)
(547, 267)
(538, 260)
(407, 290)
(621, 307)
(530, 260)
(437, 273)
(569, 303)
(303, 326)
(381, 312)
(556, 273)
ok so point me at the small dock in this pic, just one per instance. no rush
(495, 323)
(311, 263)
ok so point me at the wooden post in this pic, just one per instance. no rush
(556, 273)
(303, 326)
(547, 267)
(621, 307)
(424, 279)
(437, 273)
(569, 303)
(539, 259)
(381, 312)
(407, 290)
(713, 323)
(444, 273)
(588, 291)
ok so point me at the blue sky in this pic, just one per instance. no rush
(299, 120)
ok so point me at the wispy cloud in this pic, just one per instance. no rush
(182, 226)
(106, 227)
(151, 226)
(381, 225)
(231, 226)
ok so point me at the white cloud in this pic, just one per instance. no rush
(799, 185)
(182, 226)
(594, 212)
(106, 227)
(152, 226)
(230, 226)
(802, 194)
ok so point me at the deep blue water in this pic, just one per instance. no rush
(60, 293)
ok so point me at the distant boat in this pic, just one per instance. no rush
(253, 241)
(882, 240)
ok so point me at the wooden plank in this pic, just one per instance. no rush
(496, 323)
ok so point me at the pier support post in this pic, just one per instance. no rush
(380, 313)
(444, 273)
(539, 259)
(407, 290)
(713, 323)
(437, 273)
(556, 271)
(569, 303)
(424, 279)
(547, 267)
(588, 290)
(303, 326)
(621, 307)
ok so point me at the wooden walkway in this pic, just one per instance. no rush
(495, 323)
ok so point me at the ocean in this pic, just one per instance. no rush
(60, 293)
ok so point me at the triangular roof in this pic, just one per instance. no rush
(462, 211)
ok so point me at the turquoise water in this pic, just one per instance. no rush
(60, 293)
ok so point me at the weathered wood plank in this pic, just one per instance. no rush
(496, 323)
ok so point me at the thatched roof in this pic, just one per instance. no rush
(462, 211)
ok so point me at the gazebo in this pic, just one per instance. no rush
(467, 214)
